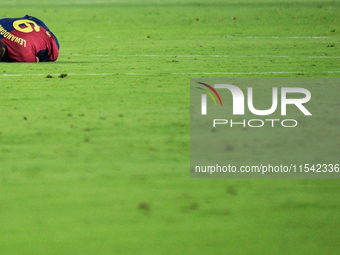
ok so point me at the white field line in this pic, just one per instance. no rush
(270, 37)
(248, 73)
(157, 74)
(67, 2)
(194, 56)
(57, 74)
(201, 56)
(92, 2)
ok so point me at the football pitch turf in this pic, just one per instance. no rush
(95, 148)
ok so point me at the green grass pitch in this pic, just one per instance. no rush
(97, 162)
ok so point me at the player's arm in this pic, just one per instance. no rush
(43, 56)
(50, 53)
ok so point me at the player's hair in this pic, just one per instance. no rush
(1, 51)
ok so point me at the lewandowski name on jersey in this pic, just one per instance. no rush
(27, 39)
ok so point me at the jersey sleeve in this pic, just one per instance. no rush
(51, 51)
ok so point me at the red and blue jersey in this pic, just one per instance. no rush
(27, 39)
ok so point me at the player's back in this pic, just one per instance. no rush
(28, 39)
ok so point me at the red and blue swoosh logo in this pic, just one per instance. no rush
(208, 92)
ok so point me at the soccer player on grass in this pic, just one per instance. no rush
(27, 39)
